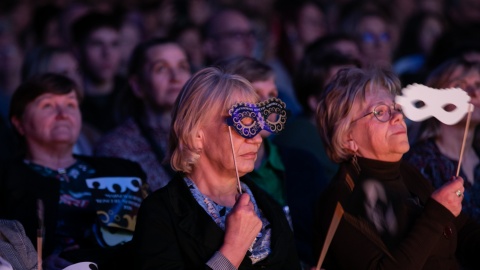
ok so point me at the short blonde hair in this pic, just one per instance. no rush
(333, 114)
(208, 93)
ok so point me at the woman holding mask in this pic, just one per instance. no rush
(206, 217)
(393, 218)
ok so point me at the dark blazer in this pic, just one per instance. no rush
(174, 232)
(21, 187)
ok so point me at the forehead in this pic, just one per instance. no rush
(68, 95)
(231, 20)
(165, 51)
(103, 33)
(374, 94)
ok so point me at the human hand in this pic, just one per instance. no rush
(447, 195)
(241, 228)
(55, 262)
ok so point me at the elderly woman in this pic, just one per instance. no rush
(206, 217)
(436, 154)
(393, 219)
(86, 207)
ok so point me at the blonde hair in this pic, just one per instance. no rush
(333, 114)
(208, 93)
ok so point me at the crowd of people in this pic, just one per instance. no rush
(222, 134)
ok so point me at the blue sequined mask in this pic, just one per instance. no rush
(249, 119)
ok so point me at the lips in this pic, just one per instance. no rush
(249, 155)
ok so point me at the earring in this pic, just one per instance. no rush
(355, 162)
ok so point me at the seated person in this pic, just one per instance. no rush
(393, 218)
(16, 250)
(209, 216)
(157, 71)
(86, 207)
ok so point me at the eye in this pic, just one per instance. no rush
(247, 121)
(380, 110)
(46, 105)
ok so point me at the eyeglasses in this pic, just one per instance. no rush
(383, 112)
(368, 37)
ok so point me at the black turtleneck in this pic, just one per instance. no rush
(386, 202)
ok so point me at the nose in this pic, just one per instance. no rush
(60, 111)
(396, 116)
(257, 139)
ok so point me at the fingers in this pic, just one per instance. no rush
(244, 200)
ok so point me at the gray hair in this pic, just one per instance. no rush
(208, 93)
(334, 116)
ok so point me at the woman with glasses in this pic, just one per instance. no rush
(209, 216)
(436, 154)
(393, 218)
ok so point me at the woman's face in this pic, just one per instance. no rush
(166, 71)
(50, 119)
(376, 42)
(469, 81)
(386, 141)
(217, 149)
(65, 64)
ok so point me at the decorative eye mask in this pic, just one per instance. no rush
(249, 119)
(435, 101)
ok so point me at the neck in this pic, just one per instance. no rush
(220, 188)
(60, 157)
(451, 138)
(98, 88)
(157, 119)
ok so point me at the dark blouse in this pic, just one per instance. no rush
(439, 169)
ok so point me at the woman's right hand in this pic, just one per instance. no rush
(447, 196)
(241, 228)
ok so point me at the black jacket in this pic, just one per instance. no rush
(174, 232)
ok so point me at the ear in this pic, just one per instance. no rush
(18, 125)
(350, 144)
(198, 140)
(136, 88)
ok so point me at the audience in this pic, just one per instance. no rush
(86, 207)
(96, 38)
(210, 215)
(315, 72)
(58, 60)
(228, 33)
(157, 71)
(280, 33)
(436, 153)
(293, 177)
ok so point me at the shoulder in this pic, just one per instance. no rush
(113, 165)
(118, 137)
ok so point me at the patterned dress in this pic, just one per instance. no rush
(127, 142)
(439, 169)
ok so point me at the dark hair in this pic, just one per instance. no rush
(312, 75)
(128, 104)
(38, 85)
(138, 57)
(247, 67)
(88, 23)
(37, 60)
